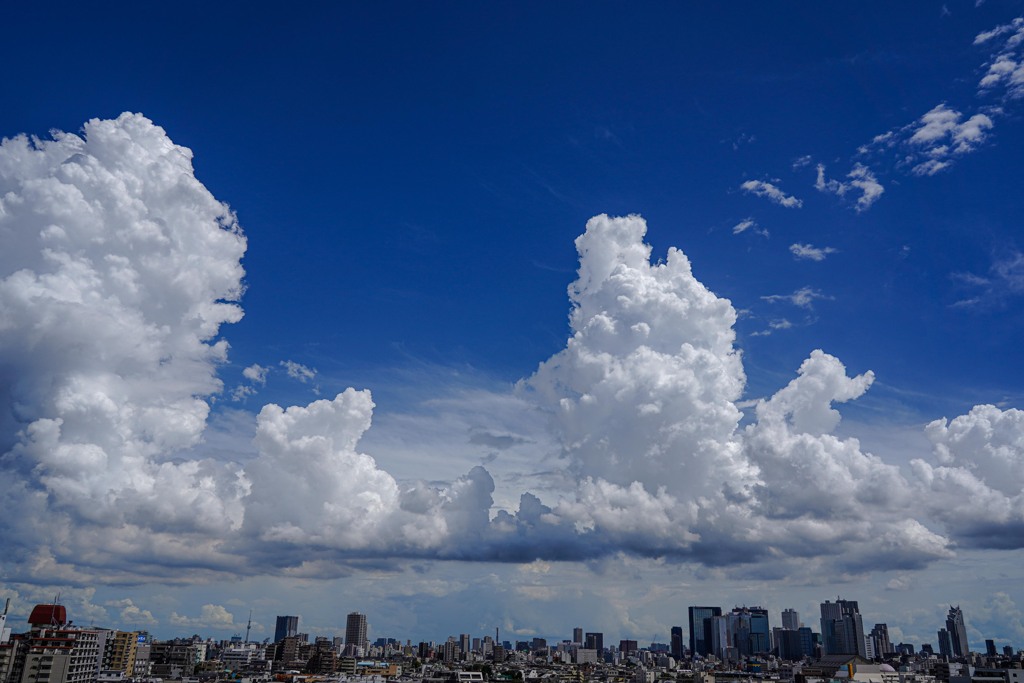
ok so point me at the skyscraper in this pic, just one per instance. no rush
(790, 619)
(957, 631)
(880, 640)
(355, 630)
(842, 628)
(677, 642)
(595, 641)
(945, 648)
(700, 629)
(577, 635)
(286, 626)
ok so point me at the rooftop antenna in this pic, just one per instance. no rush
(248, 627)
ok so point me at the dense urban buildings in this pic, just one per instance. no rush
(736, 646)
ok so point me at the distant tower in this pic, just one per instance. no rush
(286, 627)
(790, 619)
(355, 630)
(945, 649)
(957, 631)
(880, 639)
(577, 635)
(677, 642)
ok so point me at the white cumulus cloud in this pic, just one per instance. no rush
(117, 272)
(121, 268)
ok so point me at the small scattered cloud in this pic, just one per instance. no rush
(761, 188)
(899, 583)
(1005, 278)
(803, 297)
(256, 373)
(930, 144)
(751, 225)
(1014, 27)
(810, 252)
(299, 371)
(773, 326)
(242, 392)
(133, 615)
(861, 179)
(802, 162)
(210, 616)
(743, 139)
(940, 136)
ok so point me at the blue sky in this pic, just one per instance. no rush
(408, 181)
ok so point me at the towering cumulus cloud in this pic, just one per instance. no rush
(119, 269)
(643, 395)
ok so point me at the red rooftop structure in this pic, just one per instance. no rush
(48, 615)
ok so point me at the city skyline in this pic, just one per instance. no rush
(702, 622)
(568, 316)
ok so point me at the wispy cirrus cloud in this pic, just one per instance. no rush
(803, 297)
(1005, 278)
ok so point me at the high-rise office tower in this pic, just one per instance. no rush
(700, 629)
(790, 619)
(990, 647)
(717, 637)
(749, 631)
(842, 628)
(355, 630)
(880, 640)
(957, 631)
(577, 635)
(595, 641)
(945, 648)
(677, 642)
(760, 631)
(286, 626)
